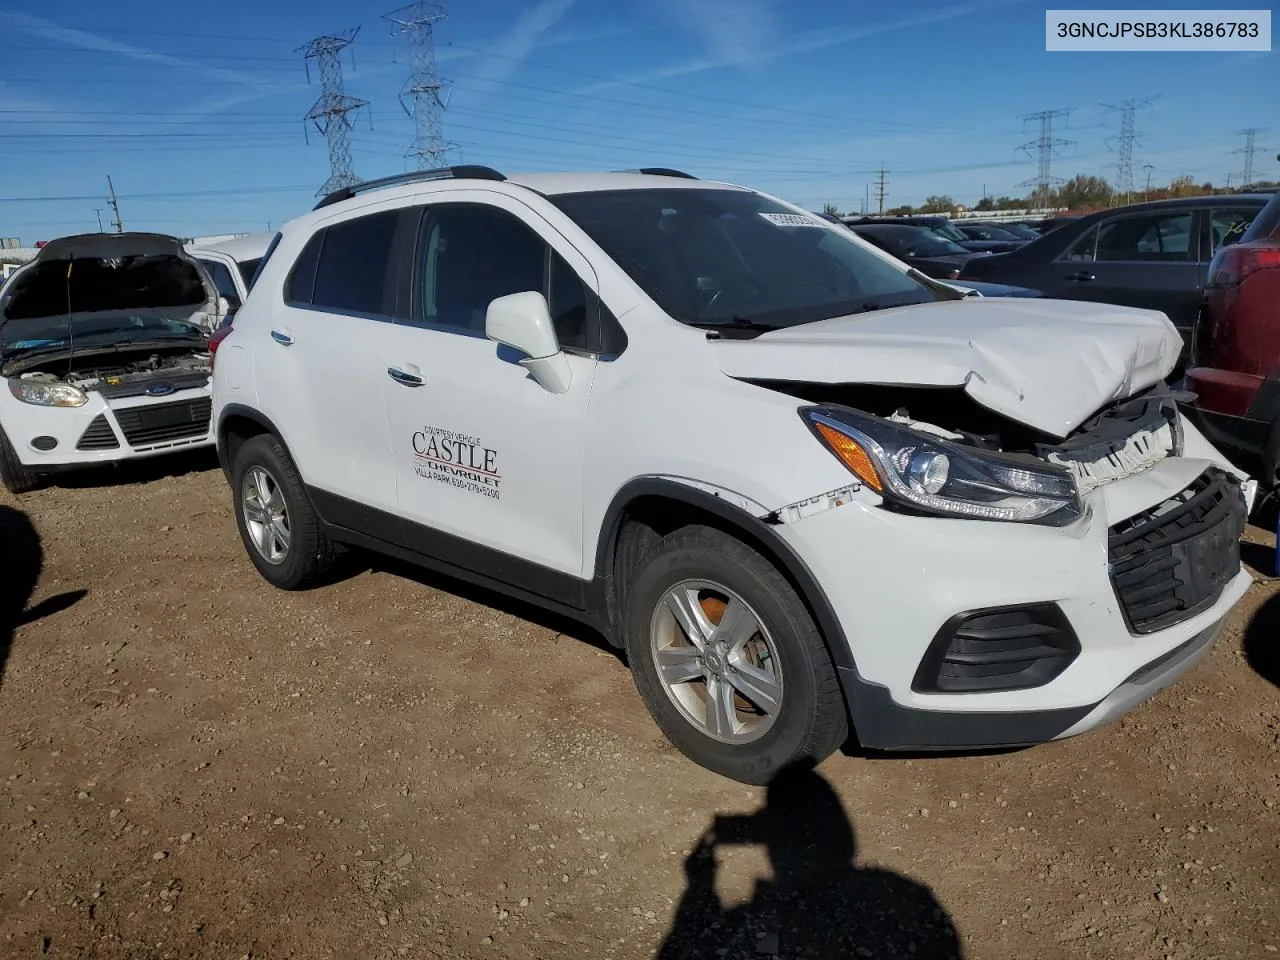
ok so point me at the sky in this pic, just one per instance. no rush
(195, 110)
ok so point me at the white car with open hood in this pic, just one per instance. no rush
(811, 492)
(103, 354)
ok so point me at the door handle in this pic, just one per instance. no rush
(403, 376)
(282, 338)
(1080, 277)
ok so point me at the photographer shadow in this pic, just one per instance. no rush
(819, 903)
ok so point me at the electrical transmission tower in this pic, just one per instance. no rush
(1046, 145)
(331, 113)
(1249, 149)
(1124, 142)
(880, 188)
(426, 94)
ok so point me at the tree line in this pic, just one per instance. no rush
(1080, 194)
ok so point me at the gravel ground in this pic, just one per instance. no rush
(193, 764)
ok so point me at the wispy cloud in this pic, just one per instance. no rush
(736, 31)
(39, 27)
(507, 51)
(731, 36)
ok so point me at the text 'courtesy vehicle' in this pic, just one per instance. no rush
(810, 490)
(103, 355)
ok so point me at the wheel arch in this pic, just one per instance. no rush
(238, 424)
(647, 508)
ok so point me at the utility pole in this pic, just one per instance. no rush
(115, 206)
(426, 93)
(331, 111)
(1249, 149)
(1046, 145)
(880, 191)
(1146, 194)
(98, 212)
(866, 199)
(1124, 142)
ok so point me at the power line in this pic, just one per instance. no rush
(426, 103)
(1046, 145)
(1249, 149)
(331, 112)
(1124, 143)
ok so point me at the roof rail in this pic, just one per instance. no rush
(441, 173)
(662, 172)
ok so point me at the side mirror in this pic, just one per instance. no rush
(522, 321)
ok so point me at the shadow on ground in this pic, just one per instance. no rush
(819, 902)
(358, 561)
(23, 559)
(1262, 640)
(130, 472)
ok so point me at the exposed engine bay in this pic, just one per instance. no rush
(126, 374)
(1122, 439)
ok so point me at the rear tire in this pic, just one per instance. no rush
(277, 523)
(748, 716)
(15, 477)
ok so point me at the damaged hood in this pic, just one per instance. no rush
(1048, 364)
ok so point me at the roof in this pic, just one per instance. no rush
(887, 228)
(552, 184)
(247, 247)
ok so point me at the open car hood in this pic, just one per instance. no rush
(73, 276)
(1048, 364)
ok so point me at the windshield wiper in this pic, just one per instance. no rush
(734, 326)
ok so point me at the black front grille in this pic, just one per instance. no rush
(165, 422)
(1003, 648)
(98, 436)
(1172, 561)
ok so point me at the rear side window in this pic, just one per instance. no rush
(1158, 237)
(355, 261)
(1227, 226)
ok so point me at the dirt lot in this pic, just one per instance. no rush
(196, 765)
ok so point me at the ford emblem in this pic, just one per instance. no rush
(160, 389)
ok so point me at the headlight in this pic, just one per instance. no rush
(932, 475)
(44, 394)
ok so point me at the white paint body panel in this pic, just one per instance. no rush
(671, 406)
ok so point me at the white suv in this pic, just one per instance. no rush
(809, 490)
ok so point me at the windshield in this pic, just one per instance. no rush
(710, 256)
(91, 330)
(944, 229)
(1019, 231)
(924, 243)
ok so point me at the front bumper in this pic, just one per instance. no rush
(51, 439)
(895, 580)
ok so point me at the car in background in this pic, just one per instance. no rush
(995, 239)
(1154, 255)
(1018, 231)
(104, 355)
(1234, 369)
(918, 247)
(232, 264)
(940, 225)
(1049, 224)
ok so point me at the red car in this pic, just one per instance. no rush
(1235, 352)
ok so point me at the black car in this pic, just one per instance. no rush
(1049, 224)
(1002, 231)
(921, 248)
(1154, 255)
(942, 226)
(995, 239)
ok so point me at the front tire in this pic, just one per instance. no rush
(15, 477)
(728, 659)
(277, 523)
